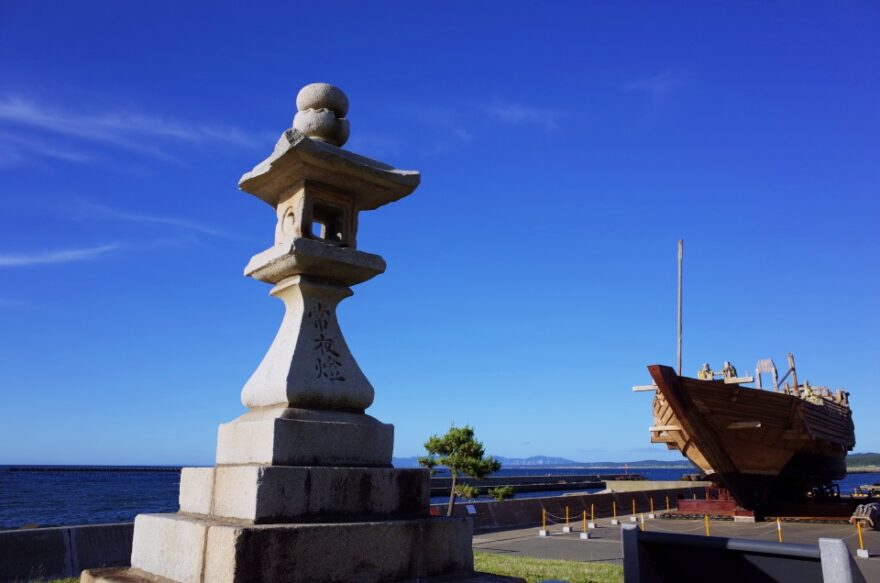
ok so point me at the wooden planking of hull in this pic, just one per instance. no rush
(761, 445)
(668, 429)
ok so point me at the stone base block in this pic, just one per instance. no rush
(651, 516)
(273, 494)
(566, 529)
(351, 440)
(543, 532)
(119, 575)
(170, 546)
(188, 549)
(129, 575)
(591, 525)
(863, 553)
(584, 536)
(615, 522)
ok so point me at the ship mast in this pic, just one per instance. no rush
(680, 256)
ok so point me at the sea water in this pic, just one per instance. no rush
(61, 496)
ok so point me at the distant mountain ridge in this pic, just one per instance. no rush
(543, 461)
(858, 460)
(854, 460)
(548, 461)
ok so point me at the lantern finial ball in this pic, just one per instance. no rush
(321, 113)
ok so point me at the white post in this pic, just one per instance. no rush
(680, 258)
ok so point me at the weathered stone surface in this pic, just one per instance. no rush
(120, 575)
(187, 549)
(323, 125)
(301, 255)
(316, 439)
(309, 364)
(322, 95)
(170, 545)
(296, 157)
(321, 116)
(318, 553)
(265, 494)
(196, 490)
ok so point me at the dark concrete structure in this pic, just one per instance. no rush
(63, 551)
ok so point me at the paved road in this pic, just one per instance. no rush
(606, 544)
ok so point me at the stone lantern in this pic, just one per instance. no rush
(303, 489)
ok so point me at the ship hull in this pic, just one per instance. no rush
(763, 446)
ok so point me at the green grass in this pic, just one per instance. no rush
(530, 569)
(533, 570)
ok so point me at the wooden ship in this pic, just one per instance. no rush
(763, 446)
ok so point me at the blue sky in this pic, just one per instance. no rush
(563, 150)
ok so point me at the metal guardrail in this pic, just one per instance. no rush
(655, 557)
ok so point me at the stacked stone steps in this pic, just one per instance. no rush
(190, 549)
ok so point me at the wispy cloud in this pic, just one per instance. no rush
(12, 145)
(129, 130)
(59, 256)
(519, 114)
(448, 128)
(659, 87)
(90, 210)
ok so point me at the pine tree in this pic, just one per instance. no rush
(459, 451)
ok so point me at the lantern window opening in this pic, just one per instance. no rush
(328, 224)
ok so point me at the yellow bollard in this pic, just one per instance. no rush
(585, 521)
(566, 516)
(592, 513)
(695, 495)
(652, 505)
(708, 532)
(667, 504)
(614, 509)
(862, 552)
(779, 529)
(543, 519)
(634, 506)
(642, 516)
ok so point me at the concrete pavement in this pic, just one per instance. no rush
(605, 546)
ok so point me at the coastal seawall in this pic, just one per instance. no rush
(523, 512)
(65, 551)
